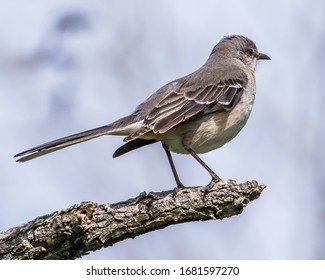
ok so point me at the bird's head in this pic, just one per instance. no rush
(241, 48)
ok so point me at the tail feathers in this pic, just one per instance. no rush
(124, 126)
(62, 143)
(132, 145)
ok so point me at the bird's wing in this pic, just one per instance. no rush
(184, 102)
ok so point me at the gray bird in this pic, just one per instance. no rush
(191, 115)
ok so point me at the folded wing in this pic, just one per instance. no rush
(185, 102)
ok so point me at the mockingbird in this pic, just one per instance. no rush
(193, 114)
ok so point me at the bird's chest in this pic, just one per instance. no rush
(213, 130)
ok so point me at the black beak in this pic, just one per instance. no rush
(263, 56)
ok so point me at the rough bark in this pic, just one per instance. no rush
(88, 226)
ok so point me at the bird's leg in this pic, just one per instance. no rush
(172, 165)
(200, 161)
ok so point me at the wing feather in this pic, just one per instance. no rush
(185, 102)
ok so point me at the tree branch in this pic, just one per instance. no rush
(88, 226)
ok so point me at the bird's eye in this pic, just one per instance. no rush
(250, 52)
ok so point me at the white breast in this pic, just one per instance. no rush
(210, 131)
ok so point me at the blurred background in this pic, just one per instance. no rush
(68, 66)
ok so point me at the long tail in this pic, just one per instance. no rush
(124, 126)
